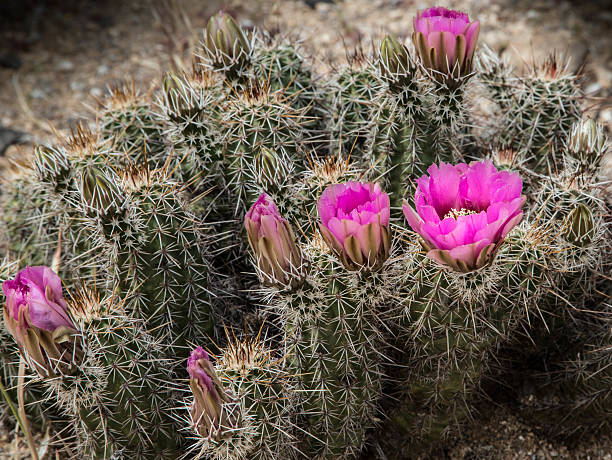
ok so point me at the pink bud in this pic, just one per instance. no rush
(355, 223)
(213, 413)
(36, 315)
(445, 40)
(272, 239)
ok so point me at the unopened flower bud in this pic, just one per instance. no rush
(579, 226)
(269, 168)
(99, 195)
(395, 63)
(51, 166)
(213, 412)
(35, 314)
(271, 237)
(587, 142)
(445, 41)
(174, 92)
(225, 43)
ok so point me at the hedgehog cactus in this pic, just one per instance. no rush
(251, 191)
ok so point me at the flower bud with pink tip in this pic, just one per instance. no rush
(271, 237)
(355, 223)
(445, 41)
(464, 212)
(36, 315)
(213, 412)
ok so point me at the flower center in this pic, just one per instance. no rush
(455, 213)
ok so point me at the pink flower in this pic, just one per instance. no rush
(212, 409)
(463, 212)
(355, 223)
(272, 239)
(39, 291)
(36, 315)
(445, 40)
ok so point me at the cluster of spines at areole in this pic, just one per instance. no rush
(232, 276)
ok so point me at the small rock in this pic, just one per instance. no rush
(533, 14)
(65, 65)
(76, 86)
(102, 69)
(37, 93)
(96, 92)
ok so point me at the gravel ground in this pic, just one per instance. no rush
(56, 59)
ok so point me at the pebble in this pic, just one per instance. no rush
(96, 92)
(76, 85)
(102, 69)
(37, 93)
(533, 14)
(65, 65)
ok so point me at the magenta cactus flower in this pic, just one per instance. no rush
(463, 212)
(35, 313)
(445, 41)
(273, 242)
(355, 223)
(212, 411)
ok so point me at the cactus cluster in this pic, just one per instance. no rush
(233, 277)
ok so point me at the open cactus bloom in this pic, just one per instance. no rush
(271, 237)
(463, 212)
(35, 314)
(355, 223)
(445, 41)
(213, 412)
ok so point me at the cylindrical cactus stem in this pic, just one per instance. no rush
(545, 104)
(117, 389)
(450, 319)
(333, 342)
(153, 249)
(190, 108)
(127, 121)
(281, 67)
(250, 412)
(333, 333)
(455, 331)
(351, 97)
(257, 122)
(393, 140)
(445, 122)
(577, 219)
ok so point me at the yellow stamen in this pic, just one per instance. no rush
(455, 213)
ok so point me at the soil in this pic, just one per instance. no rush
(57, 58)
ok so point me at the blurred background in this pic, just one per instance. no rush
(58, 57)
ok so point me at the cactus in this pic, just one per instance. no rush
(253, 191)
(117, 391)
(126, 119)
